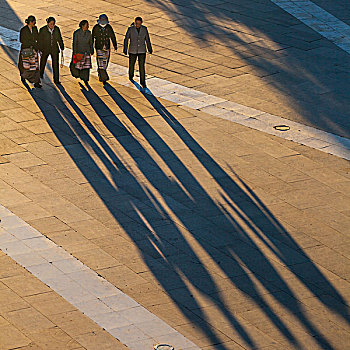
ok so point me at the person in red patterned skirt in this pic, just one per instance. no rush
(82, 51)
(28, 62)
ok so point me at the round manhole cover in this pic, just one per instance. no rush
(164, 347)
(282, 127)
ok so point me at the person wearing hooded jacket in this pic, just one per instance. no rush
(102, 35)
(136, 43)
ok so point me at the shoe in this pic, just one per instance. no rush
(38, 85)
(104, 82)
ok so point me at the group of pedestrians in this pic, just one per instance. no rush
(48, 42)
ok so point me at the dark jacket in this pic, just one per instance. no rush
(48, 42)
(82, 42)
(102, 37)
(138, 40)
(29, 39)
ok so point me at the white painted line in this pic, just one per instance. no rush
(319, 20)
(221, 108)
(109, 307)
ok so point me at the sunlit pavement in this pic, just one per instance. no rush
(231, 237)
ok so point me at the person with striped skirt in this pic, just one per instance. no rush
(28, 62)
(82, 51)
(102, 35)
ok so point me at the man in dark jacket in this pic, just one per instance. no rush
(139, 38)
(50, 43)
(102, 35)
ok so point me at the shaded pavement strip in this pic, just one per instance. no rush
(319, 20)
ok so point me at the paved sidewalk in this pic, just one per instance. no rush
(33, 317)
(235, 238)
(239, 248)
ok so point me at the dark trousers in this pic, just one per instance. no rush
(142, 60)
(55, 64)
(102, 74)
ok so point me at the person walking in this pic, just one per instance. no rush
(102, 35)
(139, 38)
(28, 62)
(82, 51)
(50, 43)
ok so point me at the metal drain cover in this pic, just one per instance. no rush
(282, 127)
(164, 347)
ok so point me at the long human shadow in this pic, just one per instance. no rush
(162, 256)
(234, 241)
(269, 227)
(264, 226)
(189, 265)
(157, 245)
(314, 86)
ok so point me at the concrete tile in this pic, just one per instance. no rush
(119, 302)
(93, 307)
(39, 243)
(29, 259)
(54, 254)
(25, 232)
(54, 339)
(136, 314)
(49, 304)
(129, 333)
(15, 248)
(11, 337)
(96, 340)
(155, 328)
(28, 320)
(111, 320)
(74, 293)
(69, 265)
(6, 237)
(24, 159)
